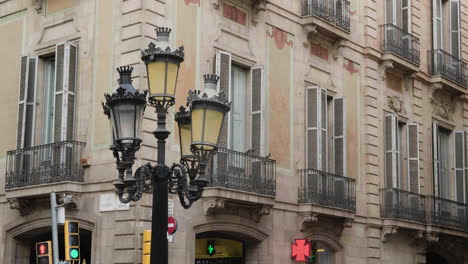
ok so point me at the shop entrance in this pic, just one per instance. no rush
(218, 248)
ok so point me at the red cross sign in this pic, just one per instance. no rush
(300, 249)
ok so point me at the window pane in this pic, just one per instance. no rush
(49, 89)
(324, 254)
(444, 181)
(238, 108)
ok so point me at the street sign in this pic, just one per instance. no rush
(171, 225)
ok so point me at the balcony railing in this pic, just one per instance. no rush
(332, 11)
(448, 66)
(400, 42)
(447, 213)
(327, 189)
(245, 172)
(49, 163)
(399, 204)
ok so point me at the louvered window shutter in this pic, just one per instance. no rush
(391, 151)
(339, 136)
(405, 15)
(66, 55)
(435, 157)
(257, 112)
(455, 28)
(413, 157)
(223, 70)
(460, 141)
(316, 128)
(27, 102)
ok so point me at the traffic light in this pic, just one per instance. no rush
(210, 248)
(44, 252)
(146, 246)
(72, 240)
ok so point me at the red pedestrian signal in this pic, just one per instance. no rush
(44, 252)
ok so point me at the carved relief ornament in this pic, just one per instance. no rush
(444, 104)
(396, 104)
(387, 231)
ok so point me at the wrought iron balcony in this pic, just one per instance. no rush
(401, 43)
(245, 172)
(49, 163)
(327, 189)
(447, 213)
(404, 205)
(448, 66)
(335, 12)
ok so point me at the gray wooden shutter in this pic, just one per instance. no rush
(27, 102)
(460, 140)
(437, 24)
(413, 157)
(455, 28)
(257, 111)
(339, 136)
(435, 157)
(391, 151)
(66, 57)
(223, 70)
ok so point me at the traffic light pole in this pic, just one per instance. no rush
(53, 211)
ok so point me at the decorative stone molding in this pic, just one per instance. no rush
(444, 104)
(38, 5)
(348, 223)
(257, 6)
(218, 205)
(212, 205)
(313, 217)
(22, 205)
(387, 231)
(215, 4)
(386, 66)
(409, 81)
(396, 104)
(337, 45)
(74, 204)
(418, 236)
(260, 211)
(310, 29)
(432, 237)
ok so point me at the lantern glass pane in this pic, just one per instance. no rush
(139, 119)
(124, 119)
(157, 77)
(172, 70)
(185, 131)
(208, 125)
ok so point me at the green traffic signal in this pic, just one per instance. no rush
(74, 253)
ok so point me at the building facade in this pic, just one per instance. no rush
(347, 128)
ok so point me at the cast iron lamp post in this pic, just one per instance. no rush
(199, 128)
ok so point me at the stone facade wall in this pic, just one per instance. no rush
(112, 33)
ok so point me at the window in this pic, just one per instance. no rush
(401, 154)
(325, 116)
(397, 12)
(56, 115)
(442, 164)
(49, 90)
(450, 9)
(244, 127)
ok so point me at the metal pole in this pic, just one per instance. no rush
(53, 212)
(159, 244)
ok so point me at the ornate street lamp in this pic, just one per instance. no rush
(199, 128)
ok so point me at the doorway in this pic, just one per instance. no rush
(219, 248)
(433, 258)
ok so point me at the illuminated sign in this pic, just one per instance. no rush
(216, 248)
(300, 249)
